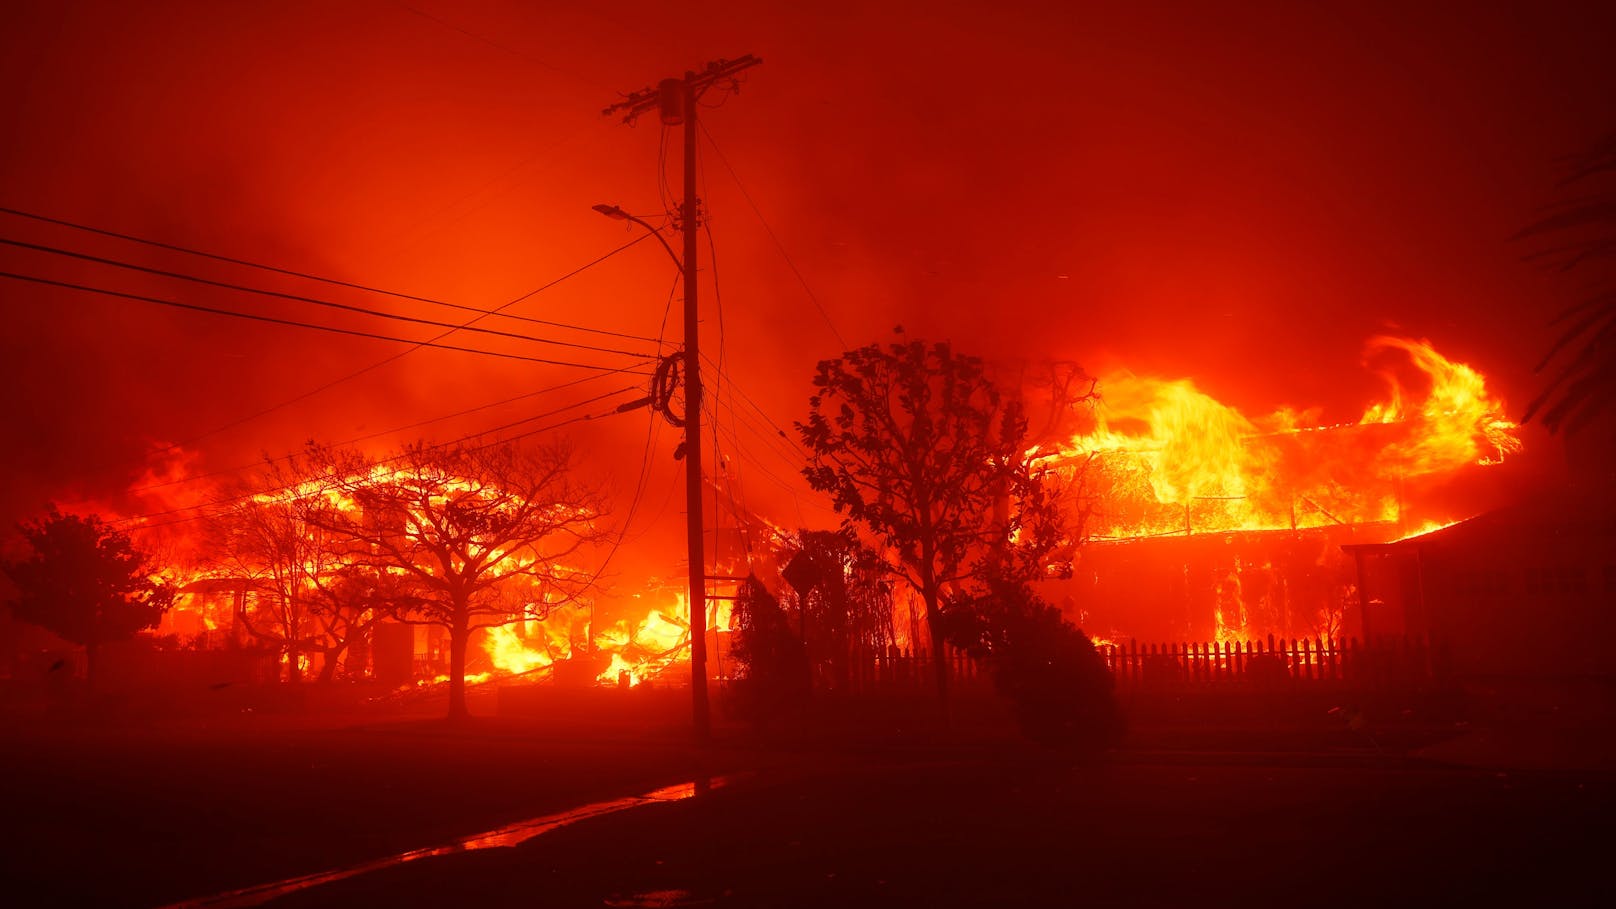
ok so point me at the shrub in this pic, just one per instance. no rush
(771, 675)
(1058, 686)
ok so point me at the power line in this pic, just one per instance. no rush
(489, 406)
(196, 307)
(736, 389)
(652, 433)
(346, 307)
(724, 383)
(785, 459)
(514, 423)
(201, 517)
(133, 519)
(770, 440)
(722, 484)
(739, 452)
(500, 428)
(365, 438)
(404, 353)
(772, 236)
(553, 426)
(247, 263)
(645, 463)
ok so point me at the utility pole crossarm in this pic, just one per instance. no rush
(649, 98)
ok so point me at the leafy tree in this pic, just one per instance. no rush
(1583, 233)
(914, 442)
(1057, 683)
(844, 602)
(86, 582)
(771, 675)
(481, 532)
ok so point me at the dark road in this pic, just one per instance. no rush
(1029, 832)
(162, 815)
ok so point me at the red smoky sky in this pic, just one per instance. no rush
(1242, 193)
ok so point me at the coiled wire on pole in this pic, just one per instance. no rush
(666, 378)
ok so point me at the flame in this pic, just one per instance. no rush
(1458, 423)
(636, 650)
(1166, 458)
(1162, 457)
(511, 653)
(1424, 528)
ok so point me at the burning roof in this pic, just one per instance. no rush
(1163, 457)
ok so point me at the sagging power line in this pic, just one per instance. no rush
(299, 298)
(213, 310)
(307, 276)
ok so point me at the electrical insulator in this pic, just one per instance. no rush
(671, 101)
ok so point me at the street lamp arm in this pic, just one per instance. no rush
(617, 214)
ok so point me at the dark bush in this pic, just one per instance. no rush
(771, 668)
(1059, 688)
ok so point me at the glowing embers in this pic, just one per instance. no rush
(1165, 458)
(628, 652)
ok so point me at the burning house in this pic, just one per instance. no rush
(1202, 524)
(1195, 523)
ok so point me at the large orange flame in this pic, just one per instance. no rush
(1166, 458)
(1161, 458)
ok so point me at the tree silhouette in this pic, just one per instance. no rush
(844, 602)
(85, 582)
(1583, 233)
(771, 674)
(316, 595)
(1057, 683)
(481, 532)
(913, 442)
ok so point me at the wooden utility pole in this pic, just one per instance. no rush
(675, 101)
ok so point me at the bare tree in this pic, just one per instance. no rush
(317, 595)
(484, 533)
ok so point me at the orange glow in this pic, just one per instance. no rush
(1456, 423)
(1165, 458)
(512, 654)
(1160, 458)
(636, 650)
(1425, 528)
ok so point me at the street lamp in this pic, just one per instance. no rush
(617, 214)
(692, 424)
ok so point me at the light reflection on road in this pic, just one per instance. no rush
(499, 838)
